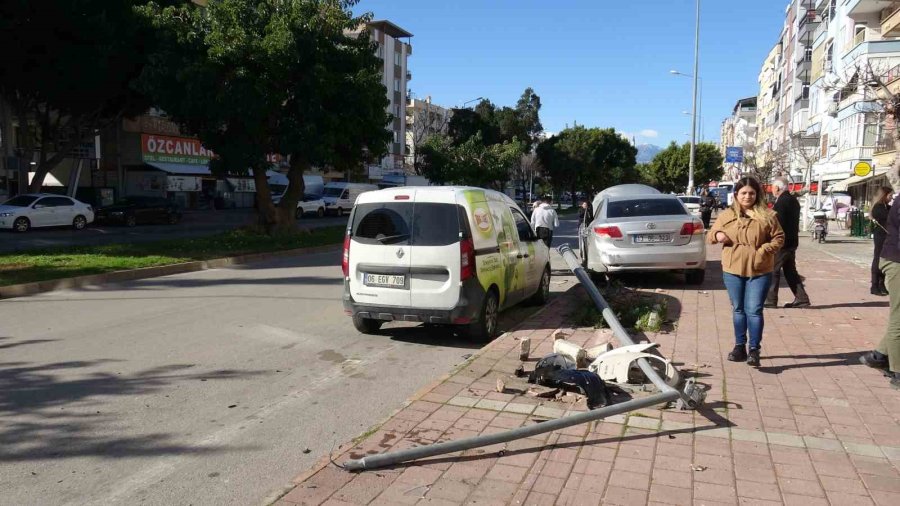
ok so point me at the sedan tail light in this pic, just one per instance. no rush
(694, 227)
(608, 231)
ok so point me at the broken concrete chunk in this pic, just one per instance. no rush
(520, 371)
(559, 334)
(524, 348)
(501, 385)
(571, 350)
(596, 351)
(543, 392)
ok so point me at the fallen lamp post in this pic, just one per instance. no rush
(691, 396)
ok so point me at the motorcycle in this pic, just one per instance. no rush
(820, 226)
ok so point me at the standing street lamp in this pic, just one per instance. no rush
(695, 76)
(470, 101)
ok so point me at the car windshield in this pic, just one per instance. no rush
(309, 198)
(333, 192)
(20, 201)
(644, 207)
(690, 200)
(407, 223)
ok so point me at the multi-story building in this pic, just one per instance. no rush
(739, 130)
(768, 113)
(395, 51)
(423, 120)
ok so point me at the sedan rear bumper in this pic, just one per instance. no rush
(650, 258)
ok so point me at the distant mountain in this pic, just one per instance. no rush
(646, 152)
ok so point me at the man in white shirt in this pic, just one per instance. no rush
(544, 220)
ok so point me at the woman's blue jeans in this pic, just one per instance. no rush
(747, 297)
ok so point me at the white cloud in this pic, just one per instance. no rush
(650, 134)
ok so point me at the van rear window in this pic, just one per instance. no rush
(407, 223)
(644, 207)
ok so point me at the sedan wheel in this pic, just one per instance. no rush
(79, 222)
(172, 219)
(130, 220)
(299, 213)
(321, 212)
(21, 224)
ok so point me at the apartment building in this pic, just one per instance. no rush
(739, 130)
(768, 113)
(423, 120)
(394, 48)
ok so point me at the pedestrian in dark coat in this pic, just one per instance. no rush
(879, 214)
(787, 208)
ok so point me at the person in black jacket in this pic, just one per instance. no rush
(879, 221)
(707, 204)
(788, 210)
(887, 355)
(585, 213)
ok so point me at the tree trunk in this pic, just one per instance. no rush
(267, 214)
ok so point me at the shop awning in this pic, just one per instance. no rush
(842, 186)
(183, 169)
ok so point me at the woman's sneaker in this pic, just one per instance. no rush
(738, 354)
(753, 357)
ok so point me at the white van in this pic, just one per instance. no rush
(440, 255)
(340, 197)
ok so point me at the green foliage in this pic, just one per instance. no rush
(668, 171)
(588, 159)
(68, 70)
(499, 125)
(254, 77)
(635, 310)
(471, 163)
(56, 263)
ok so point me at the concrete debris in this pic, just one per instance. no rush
(596, 351)
(524, 348)
(501, 385)
(559, 334)
(571, 350)
(699, 469)
(543, 392)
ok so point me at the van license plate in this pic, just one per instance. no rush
(650, 238)
(384, 280)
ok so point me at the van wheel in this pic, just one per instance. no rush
(485, 328)
(543, 293)
(320, 213)
(695, 276)
(366, 325)
(340, 211)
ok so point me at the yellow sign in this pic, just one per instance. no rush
(862, 169)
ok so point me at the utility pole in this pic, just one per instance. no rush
(690, 187)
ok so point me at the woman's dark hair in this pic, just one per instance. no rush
(882, 193)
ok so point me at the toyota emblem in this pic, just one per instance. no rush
(400, 253)
(651, 226)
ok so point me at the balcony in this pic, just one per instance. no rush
(808, 22)
(890, 21)
(884, 144)
(871, 47)
(855, 153)
(860, 10)
(408, 75)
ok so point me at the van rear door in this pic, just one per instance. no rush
(380, 253)
(435, 263)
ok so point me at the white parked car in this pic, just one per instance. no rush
(440, 255)
(23, 212)
(312, 205)
(638, 229)
(692, 203)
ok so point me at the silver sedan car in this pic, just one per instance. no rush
(643, 231)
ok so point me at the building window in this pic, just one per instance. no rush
(870, 129)
(380, 51)
(396, 58)
(396, 110)
(396, 137)
(396, 84)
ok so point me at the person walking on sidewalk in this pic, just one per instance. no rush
(585, 214)
(750, 236)
(787, 208)
(707, 204)
(879, 232)
(887, 355)
(544, 221)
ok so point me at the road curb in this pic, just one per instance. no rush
(25, 289)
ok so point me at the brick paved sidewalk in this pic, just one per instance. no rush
(811, 426)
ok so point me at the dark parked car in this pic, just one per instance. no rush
(131, 211)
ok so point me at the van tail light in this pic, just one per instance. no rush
(610, 231)
(466, 259)
(345, 261)
(694, 227)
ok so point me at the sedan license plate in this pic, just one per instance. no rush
(651, 238)
(384, 280)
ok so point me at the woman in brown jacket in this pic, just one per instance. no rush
(750, 236)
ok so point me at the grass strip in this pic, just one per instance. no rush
(67, 262)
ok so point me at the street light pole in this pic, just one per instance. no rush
(690, 186)
(470, 101)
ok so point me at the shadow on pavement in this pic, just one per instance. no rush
(833, 360)
(850, 304)
(48, 416)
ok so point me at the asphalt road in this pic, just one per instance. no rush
(195, 224)
(216, 387)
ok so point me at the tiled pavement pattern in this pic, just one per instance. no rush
(811, 426)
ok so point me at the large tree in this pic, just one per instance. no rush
(668, 171)
(67, 71)
(588, 159)
(500, 124)
(471, 163)
(252, 77)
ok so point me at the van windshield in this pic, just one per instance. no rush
(407, 223)
(334, 191)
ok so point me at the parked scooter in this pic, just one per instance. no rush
(820, 226)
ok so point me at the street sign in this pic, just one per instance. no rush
(734, 154)
(862, 169)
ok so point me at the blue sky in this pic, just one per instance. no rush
(601, 63)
